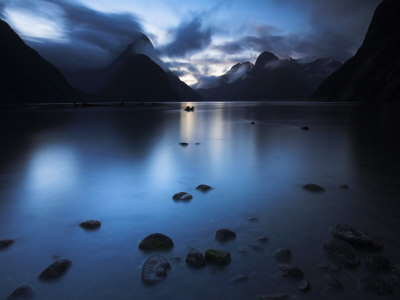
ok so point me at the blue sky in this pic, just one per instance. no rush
(197, 39)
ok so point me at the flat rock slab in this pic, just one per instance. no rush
(4, 244)
(204, 188)
(90, 225)
(218, 257)
(224, 235)
(155, 269)
(195, 259)
(355, 237)
(55, 270)
(182, 196)
(283, 254)
(342, 251)
(156, 241)
(24, 292)
(376, 285)
(377, 263)
(315, 188)
(290, 271)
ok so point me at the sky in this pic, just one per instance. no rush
(197, 39)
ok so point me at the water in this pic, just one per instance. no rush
(62, 166)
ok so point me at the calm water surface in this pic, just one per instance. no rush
(62, 166)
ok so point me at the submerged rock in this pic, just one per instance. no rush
(377, 263)
(333, 282)
(90, 225)
(156, 241)
(252, 219)
(253, 123)
(305, 128)
(262, 239)
(315, 188)
(283, 254)
(204, 187)
(24, 292)
(290, 271)
(195, 259)
(217, 257)
(4, 244)
(183, 144)
(355, 237)
(342, 251)
(224, 235)
(376, 285)
(55, 270)
(304, 287)
(240, 278)
(155, 269)
(275, 297)
(182, 196)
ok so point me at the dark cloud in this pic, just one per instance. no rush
(93, 38)
(189, 37)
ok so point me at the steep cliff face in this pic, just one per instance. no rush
(26, 77)
(373, 74)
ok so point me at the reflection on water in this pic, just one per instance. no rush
(122, 166)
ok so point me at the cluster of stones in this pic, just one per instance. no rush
(184, 197)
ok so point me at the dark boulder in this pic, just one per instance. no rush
(4, 244)
(182, 196)
(55, 270)
(224, 235)
(204, 188)
(342, 251)
(290, 271)
(184, 144)
(155, 269)
(189, 108)
(355, 237)
(90, 225)
(217, 257)
(156, 241)
(24, 292)
(195, 259)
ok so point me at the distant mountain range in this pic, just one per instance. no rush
(270, 78)
(373, 74)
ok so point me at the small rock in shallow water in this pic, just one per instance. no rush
(275, 297)
(195, 259)
(290, 271)
(344, 187)
(183, 144)
(24, 292)
(55, 270)
(218, 257)
(189, 108)
(4, 244)
(377, 263)
(240, 278)
(305, 128)
(224, 235)
(90, 225)
(155, 269)
(342, 251)
(262, 239)
(304, 287)
(204, 188)
(333, 282)
(283, 254)
(315, 188)
(355, 237)
(182, 196)
(253, 123)
(376, 285)
(156, 241)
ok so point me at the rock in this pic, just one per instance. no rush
(90, 225)
(197, 144)
(315, 188)
(155, 269)
(253, 123)
(304, 287)
(355, 237)
(55, 270)
(290, 271)
(217, 257)
(4, 244)
(188, 108)
(376, 285)
(305, 128)
(24, 292)
(344, 186)
(283, 254)
(262, 239)
(342, 251)
(224, 235)
(156, 241)
(252, 219)
(333, 282)
(275, 297)
(377, 263)
(182, 196)
(204, 188)
(195, 259)
(183, 144)
(329, 267)
(240, 278)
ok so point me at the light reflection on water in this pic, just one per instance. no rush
(122, 166)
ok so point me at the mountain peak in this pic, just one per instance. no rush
(266, 57)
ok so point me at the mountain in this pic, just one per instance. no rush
(137, 74)
(270, 79)
(27, 77)
(373, 74)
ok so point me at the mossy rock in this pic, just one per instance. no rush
(156, 241)
(218, 257)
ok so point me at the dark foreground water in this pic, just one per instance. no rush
(62, 166)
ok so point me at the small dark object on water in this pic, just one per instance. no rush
(55, 270)
(315, 188)
(4, 244)
(252, 219)
(197, 144)
(290, 271)
(377, 263)
(195, 259)
(305, 128)
(304, 287)
(156, 241)
(183, 144)
(344, 186)
(24, 292)
(218, 257)
(253, 123)
(204, 188)
(224, 235)
(90, 225)
(263, 239)
(155, 269)
(188, 108)
(283, 254)
(376, 285)
(182, 196)
(355, 237)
